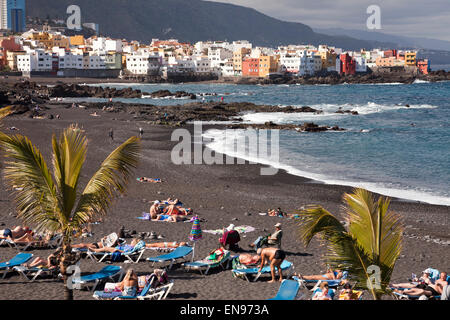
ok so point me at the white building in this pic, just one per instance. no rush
(105, 44)
(143, 64)
(301, 62)
(218, 55)
(202, 65)
(35, 60)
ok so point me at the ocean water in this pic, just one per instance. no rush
(388, 148)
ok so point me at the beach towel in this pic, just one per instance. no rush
(240, 229)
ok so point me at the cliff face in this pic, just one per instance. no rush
(188, 20)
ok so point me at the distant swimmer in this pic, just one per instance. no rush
(413, 124)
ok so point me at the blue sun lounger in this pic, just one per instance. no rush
(178, 253)
(208, 264)
(93, 279)
(285, 265)
(14, 262)
(148, 293)
(288, 290)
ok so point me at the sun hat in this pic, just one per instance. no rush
(278, 225)
(156, 202)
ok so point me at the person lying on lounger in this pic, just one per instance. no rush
(170, 218)
(129, 284)
(120, 248)
(30, 237)
(429, 290)
(330, 275)
(50, 263)
(249, 259)
(91, 246)
(166, 244)
(323, 293)
(424, 279)
(14, 233)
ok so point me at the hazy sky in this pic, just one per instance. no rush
(421, 18)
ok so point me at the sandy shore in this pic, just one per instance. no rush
(221, 194)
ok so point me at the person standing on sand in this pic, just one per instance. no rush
(141, 132)
(111, 134)
(275, 257)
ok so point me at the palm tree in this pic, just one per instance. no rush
(51, 201)
(372, 240)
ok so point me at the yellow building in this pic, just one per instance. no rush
(267, 64)
(410, 58)
(11, 59)
(328, 59)
(238, 58)
(50, 40)
(77, 40)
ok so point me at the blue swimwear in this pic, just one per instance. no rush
(164, 217)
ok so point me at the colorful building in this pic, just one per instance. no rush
(267, 64)
(410, 58)
(424, 66)
(250, 67)
(348, 64)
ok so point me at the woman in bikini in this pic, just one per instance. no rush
(330, 275)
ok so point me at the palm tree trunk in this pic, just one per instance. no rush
(66, 261)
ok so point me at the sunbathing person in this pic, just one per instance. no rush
(51, 262)
(275, 213)
(120, 248)
(15, 233)
(323, 293)
(155, 210)
(30, 238)
(424, 279)
(129, 284)
(330, 275)
(170, 218)
(176, 210)
(249, 259)
(166, 244)
(174, 202)
(145, 179)
(427, 289)
(91, 246)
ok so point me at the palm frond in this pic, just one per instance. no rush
(69, 154)
(4, 112)
(316, 220)
(27, 174)
(110, 180)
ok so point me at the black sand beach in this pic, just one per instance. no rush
(221, 194)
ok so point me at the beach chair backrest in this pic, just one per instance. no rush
(109, 270)
(111, 240)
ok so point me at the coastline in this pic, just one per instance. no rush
(218, 193)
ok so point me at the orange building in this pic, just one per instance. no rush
(424, 66)
(267, 64)
(77, 40)
(250, 67)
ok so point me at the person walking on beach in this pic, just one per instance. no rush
(275, 256)
(111, 134)
(141, 132)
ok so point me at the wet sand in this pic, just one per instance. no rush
(221, 194)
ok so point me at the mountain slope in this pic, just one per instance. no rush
(189, 20)
(400, 41)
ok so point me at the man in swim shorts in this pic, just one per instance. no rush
(275, 257)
